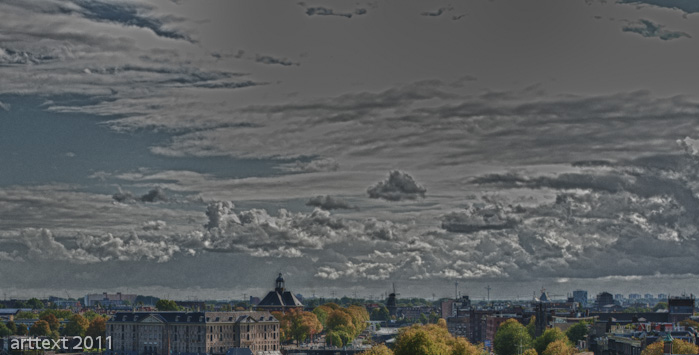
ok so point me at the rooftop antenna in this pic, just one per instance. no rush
(488, 288)
(456, 289)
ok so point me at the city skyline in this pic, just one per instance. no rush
(197, 149)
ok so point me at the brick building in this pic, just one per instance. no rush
(192, 332)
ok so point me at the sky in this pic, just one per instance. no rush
(195, 149)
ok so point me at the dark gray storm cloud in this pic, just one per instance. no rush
(688, 6)
(324, 11)
(154, 195)
(328, 202)
(128, 15)
(397, 187)
(649, 29)
(437, 12)
(477, 218)
(266, 59)
(313, 166)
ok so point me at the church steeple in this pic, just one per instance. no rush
(279, 284)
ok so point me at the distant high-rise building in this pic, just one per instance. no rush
(662, 296)
(107, 299)
(618, 297)
(634, 296)
(648, 296)
(580, 296)
(604, 299)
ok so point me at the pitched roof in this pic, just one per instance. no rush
(276, 299)
(194, 317)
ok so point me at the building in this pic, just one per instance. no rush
(680, 308)
(414, 313)
(449, 308)
(192, 332)
(106, 299)
(280, 299)
(580, 296)
(492, 323)
(604, 299)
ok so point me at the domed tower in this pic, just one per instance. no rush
(279, 284)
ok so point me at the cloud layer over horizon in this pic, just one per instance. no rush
(352, 143)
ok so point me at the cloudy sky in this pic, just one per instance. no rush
(191, 149)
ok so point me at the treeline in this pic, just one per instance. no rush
(341, 324)
(49, 324)
(513, 338)
(431, 339)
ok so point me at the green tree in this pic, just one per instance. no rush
(322, 313)
(530, 352)
(559, 347)
(333, 339)
(378, 350)
(531, 327)
(167, 305)
(678, 347)
(25, 315)
(689, 323)
(421, 340)
(35, 303)
(59, 313)
(380, 313)
(577, 332)
(462, 347)
(51, 319)
(40, 328)
(22, 329)
(511, 337)
(432, 339)
(97, 328)
(90, 315)
(4, 330)
(423, 318)
(77, 326)
(12, 326)
(548, 337)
